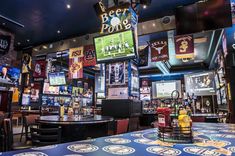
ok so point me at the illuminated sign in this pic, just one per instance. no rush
(118, 19)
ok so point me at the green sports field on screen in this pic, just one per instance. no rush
(115, 46)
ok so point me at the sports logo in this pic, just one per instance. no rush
(118, 149)
(163, 150)
(118, 140)
(82, 148)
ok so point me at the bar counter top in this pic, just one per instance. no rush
(214, 139)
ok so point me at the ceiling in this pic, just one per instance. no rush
(43, 18)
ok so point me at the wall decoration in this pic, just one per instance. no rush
(40, 68)
(118, 93)
(159, 50)
(135, 85)
(89, 56)
(75, 63)
(117, 73)
(184, 47)
(26, 63)
(5, 42)
(143, 61)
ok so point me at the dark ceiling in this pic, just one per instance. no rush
(43, 18)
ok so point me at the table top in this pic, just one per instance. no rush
(55, 119)
(209, 139)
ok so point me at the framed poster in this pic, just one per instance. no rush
(118, 93)
(117, 73)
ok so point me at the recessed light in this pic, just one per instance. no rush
(18, 43)
(35, 49)
(58, 31)
(144, 6)
(3, 23)
(154, 24)
(44, 47)
(74, 40)
(68, 6)
(27, 40)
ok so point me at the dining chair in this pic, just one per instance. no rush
(28, 121)
(8, 137)
(45, 136)
(122, 126)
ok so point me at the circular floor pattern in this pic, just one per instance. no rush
(232, 149)
(31, 154)
(44, 147)
(138, 135)
(228, 136)
(208, 131)
(88, 140)
(72, 155)
(82, 148)
(117, 140)
(118, 149)
(227, 131)
(143, 141)
(159, 150)
(201, 151)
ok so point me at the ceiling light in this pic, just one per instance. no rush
(68, 6)
(27, 40)
(144, 6)
(35, 49)
(18, 43)
(58, 32)
(3, 23)
(44, 47)
(74, 40)
(154, 24)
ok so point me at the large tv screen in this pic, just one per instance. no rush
(164, 89)
(200, 84)
(115, 46)
(207, 15)
(9, 75)
(57, 79)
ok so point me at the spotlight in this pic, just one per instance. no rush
(68, 6)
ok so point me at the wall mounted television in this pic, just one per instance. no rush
(9, 75)
(203, 16)
(57, 79)
(25, 99)
(200, 84)
(163, 89)
(116, 46)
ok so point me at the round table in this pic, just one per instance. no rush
(78, 127)
(55, 119)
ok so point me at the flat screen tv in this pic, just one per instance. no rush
(202, 16)
(57, 79)
(117, 46)
(9, 75)
(200, 84)
(164, 89)
(26, 99)
(48, 89)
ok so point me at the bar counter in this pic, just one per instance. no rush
(209, 139)
(78, 127)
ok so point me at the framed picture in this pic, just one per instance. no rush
(117, 73)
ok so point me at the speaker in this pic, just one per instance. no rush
(99, 8)
(145, 2)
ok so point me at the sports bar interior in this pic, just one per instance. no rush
(117, 77)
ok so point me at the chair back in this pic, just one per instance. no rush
(45, 136)
(122, 126)
(8, 134)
